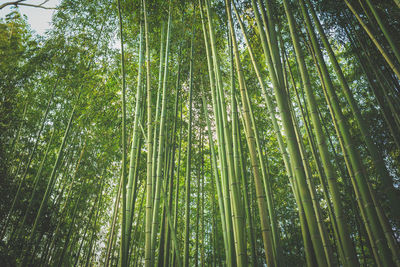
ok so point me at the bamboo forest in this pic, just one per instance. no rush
(200, 133)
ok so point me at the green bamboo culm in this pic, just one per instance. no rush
(123, 253)
(171, 161)
(134, 147)
(149, 184)
(157, 110)
(189, 155)
(162, 137)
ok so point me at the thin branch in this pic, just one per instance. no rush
(19, 3)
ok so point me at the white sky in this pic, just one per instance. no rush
(38, 18)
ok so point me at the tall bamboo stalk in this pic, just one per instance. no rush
(123, 254)
(134, 147)
(161, 147)
(149, 146)
(189, 154)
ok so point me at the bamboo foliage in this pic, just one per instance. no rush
(216, 133)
